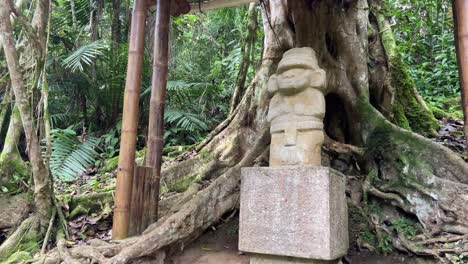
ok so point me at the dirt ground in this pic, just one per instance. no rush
(219, 246)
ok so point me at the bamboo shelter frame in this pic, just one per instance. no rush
(126, 169)
(165, 8)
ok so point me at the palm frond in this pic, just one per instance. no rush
(70, 156)
(85, 55)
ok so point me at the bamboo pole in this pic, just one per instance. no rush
(129, 122)
(158, 93)
(460, 10)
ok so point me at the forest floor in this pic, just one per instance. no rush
(218, 244)
(451, 135)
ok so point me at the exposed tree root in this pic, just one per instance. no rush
(201, 212)
(437, 252)
(24, 237)
(64, 254)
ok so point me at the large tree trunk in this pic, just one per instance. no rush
(389, 168)
(32, 229)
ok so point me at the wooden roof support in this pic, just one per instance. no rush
(123, 189)
(178, 7)
(215, 4)
(460, 10)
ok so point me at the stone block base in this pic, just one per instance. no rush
(269, 259)
(296, 211)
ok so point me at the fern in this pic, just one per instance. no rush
(70, 156)
(85, 55)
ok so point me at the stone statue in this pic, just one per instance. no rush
(294, 214)
(297, 109)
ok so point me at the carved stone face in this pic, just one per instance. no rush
(293, 79)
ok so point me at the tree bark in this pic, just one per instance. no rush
(247, 56)
(116, 21)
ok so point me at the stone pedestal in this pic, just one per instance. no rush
(270, 259)
(293, 211)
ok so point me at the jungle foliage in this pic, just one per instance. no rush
(87, 59)
(86, 74)
(424, 34)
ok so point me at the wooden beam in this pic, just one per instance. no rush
(178, 7)
(460, 10)
(215, 4)
(125, 170)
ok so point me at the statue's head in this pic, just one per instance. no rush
(297, 70)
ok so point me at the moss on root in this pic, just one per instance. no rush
(449, 108)
(168, 152)
(28, 239)
(181, 185)
(396, 147)
(19, 257)
(408, 112)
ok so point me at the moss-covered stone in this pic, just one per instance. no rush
(110, 165)
(87, 204)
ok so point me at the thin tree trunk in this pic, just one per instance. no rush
(247, 56)
(10, 158)
(73, 12)
(95, 18)
(84, 111)
(4, 107)
(45, 96)
(12, 137)
(116, 37)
